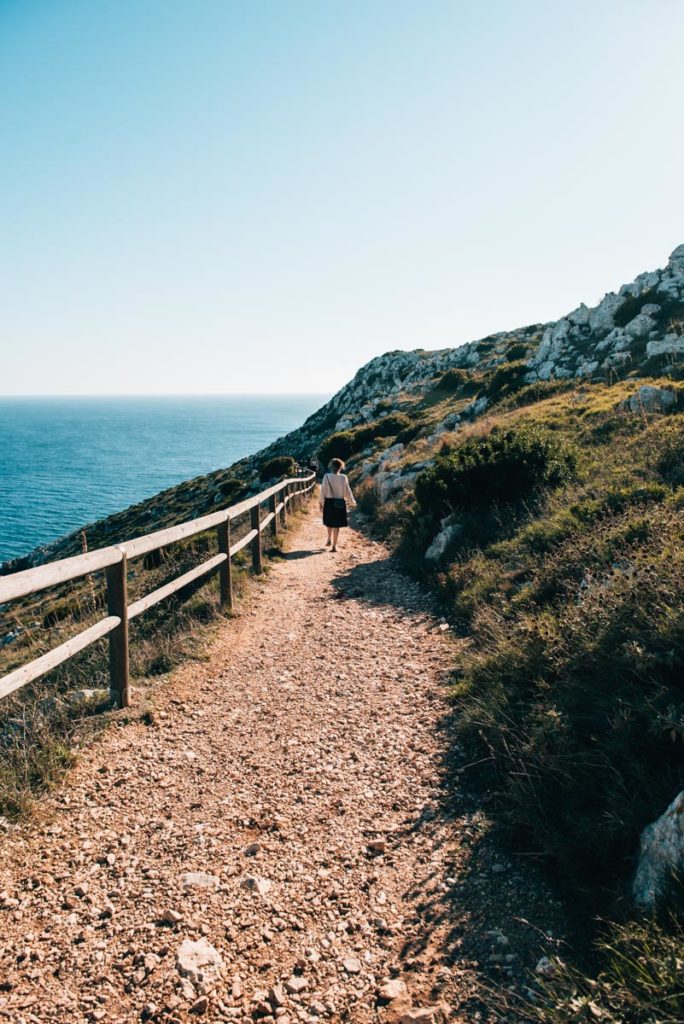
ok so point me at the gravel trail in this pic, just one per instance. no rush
(275, 843)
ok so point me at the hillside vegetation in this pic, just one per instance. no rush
(562, 562)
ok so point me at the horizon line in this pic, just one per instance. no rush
(164, 394)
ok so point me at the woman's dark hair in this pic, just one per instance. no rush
(336, 465)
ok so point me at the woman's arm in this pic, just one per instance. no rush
(348, 493)
(325, 492)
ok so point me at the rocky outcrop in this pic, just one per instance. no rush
(650, 399)
(642, 322)
(661, 857)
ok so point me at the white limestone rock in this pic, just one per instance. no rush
(640, 326)
(200, 880)
(642, 283)
(661, 856)
(392, 990)
(601, 317)
(579, 316)
(426, 1015)
(676, 261)
(671, 287)
(199, 963)
(448, 532)
(671, 344)
(388, 482)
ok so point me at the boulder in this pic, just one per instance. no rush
(671, 344)
(676, 260)
(579, 316)
(671, 286)
(648, 398)
(640, 326)
(448, 533)
(601, 317)
(661, 856)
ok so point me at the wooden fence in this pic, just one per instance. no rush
(114, 560)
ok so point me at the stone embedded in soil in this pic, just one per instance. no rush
(426, 1015)
(352, 965)
(277, 996)
(296, 984)
(391, 990)
(199, 962)
(200, 880)
(262, 886)
(546, 968)
(200, 1005)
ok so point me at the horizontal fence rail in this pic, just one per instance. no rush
(281, 498)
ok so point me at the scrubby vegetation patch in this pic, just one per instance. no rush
(500, 467)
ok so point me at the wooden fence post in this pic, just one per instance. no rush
(225, 569)
(117, 604)
(272, 502)
(286, 492)
(256, 543)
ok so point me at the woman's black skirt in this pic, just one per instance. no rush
(332, 515)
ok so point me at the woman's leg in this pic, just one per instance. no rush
(335, 535)
(330, 530)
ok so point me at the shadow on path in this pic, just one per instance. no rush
(293, 556)
(478, 904)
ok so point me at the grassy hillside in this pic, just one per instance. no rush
(563, 513)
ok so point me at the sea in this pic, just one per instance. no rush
(69, 461)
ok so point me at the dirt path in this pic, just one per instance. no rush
(284, 811)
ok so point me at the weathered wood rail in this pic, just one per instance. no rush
(114, 561)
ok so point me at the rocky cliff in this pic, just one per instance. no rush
(636, 331)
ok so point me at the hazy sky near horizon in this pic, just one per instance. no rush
(218, 196)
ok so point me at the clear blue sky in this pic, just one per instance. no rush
(223, 196)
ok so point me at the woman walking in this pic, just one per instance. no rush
(335, 494)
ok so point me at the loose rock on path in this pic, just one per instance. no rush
(277, 844)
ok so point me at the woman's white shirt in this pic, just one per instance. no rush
(336, 485)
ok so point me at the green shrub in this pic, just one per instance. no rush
(410, 433)
(281, 465)
(389, 426)
(501, 467)
(231, 487)
(507, 378)
(349, 442)
(337, 446)
(452, 380)
(517, 351)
